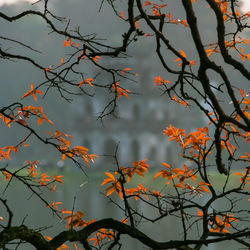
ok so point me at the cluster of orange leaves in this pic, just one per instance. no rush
(125, 174)
(185, 56)
(140, 191)
(156, 8)
(181, 175)
(77, 151)
(55, 205)
(31, 110)
(233, 129)
(244, 177)
(43, 179)
(226, 144)
(69, 43)
(6, 151)
(182, 102)
(121, 91)
(101, 235)
(6, 120)
(104, 234)
(214, 47)
(246, 101)
(23, 114)
(156, 11)
(75, 219)
(219, 223)
(85, 57)
(160, 81)
(227, 15)
(139, 168)
(193, 141)
(88, 81)
(115, 185)
(223, 4)
(33, 92)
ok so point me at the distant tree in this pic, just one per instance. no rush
(212, 147)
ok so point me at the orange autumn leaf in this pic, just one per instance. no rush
(124, 220)
(48, 69)
(121, 91)
(139, 168)
(6, 151)
(114, 187)
(200, 213)
(182, 102)
(175, 133)
(126, 69)
(33, 92)
(88, 81)
(238, 173)
(54, 205)
(204, 189)
(242, 92)
(47, 237)
(246, 101)
(58, 178)
(6, 120)
(108, 180)
(96, 58)
(179, 185)
(122, 15)
(7, 176)
(165, 174)
(183, 54)
(42, 117)
(159, 81)
(67, 43)
(101, 235)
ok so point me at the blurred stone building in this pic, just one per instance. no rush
(139, 127)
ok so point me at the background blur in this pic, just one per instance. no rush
(141, 119)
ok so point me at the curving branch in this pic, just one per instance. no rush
(37, 240)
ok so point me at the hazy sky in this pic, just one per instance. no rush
(245, 3)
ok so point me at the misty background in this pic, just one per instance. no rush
(140, 120)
